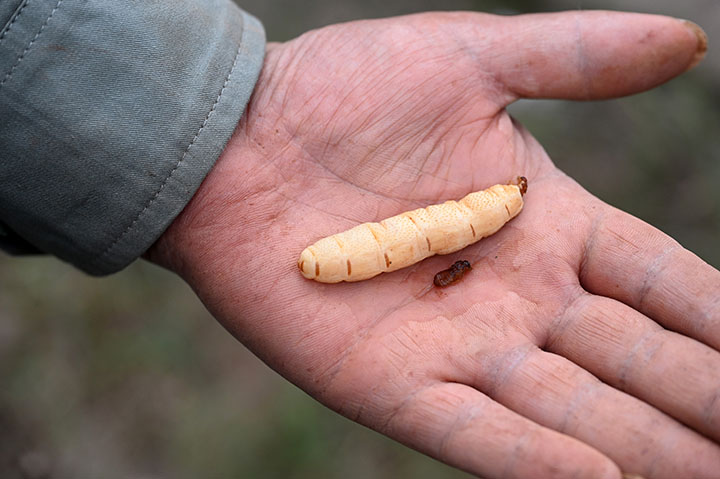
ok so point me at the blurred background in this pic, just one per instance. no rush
(129, 376)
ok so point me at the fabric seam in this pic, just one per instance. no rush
(152, 200)
(16, 15)
(32, 42)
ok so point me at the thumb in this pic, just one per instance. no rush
(592, 54)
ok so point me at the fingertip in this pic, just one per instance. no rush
(609, 470)
(563, 457)
(701, 45)
(595, 465)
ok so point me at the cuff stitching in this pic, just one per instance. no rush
(152, 200)
(37, 35)
(15, 16)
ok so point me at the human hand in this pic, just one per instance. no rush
(582, 341)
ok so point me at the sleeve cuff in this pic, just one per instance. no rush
(177, 188)
(116, 111)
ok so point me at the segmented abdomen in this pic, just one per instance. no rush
(373, 248)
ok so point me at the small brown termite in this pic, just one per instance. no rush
(522, 184)
(452, 274)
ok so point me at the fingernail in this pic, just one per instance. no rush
(702, 42)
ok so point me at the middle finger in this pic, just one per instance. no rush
(556, 393)
(629, 351)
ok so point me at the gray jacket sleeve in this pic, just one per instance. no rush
(111, 114)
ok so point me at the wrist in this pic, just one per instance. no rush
(236, 197)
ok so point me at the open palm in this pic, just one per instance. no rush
(583, 340)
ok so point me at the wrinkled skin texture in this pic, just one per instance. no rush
(583, 343)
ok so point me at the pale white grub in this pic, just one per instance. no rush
(400, 241)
